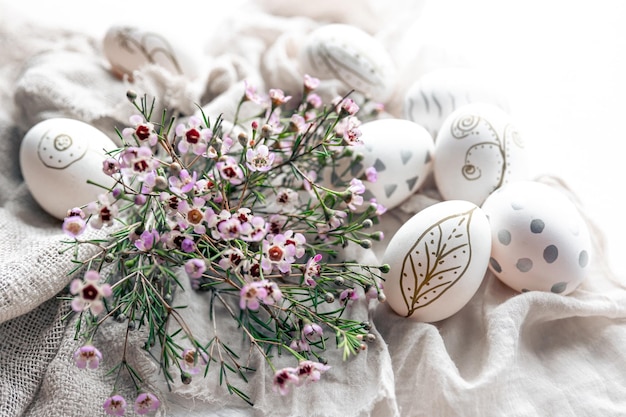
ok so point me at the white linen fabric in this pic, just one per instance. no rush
(504, 354)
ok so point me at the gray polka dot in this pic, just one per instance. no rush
(495, 265)
(559, 287)
(583, 259)
(537, 225)
(504, 236)
(550, 253)
(524, 264)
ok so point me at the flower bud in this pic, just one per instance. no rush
(384, 268)
(366, 243)
(175, 168)
(160, 182)
(369, 338)
(140, 199)
(382, 297)
(243, 139)
(131, 95)
(367, 223)
(185, 378)
(377, 236)
(329, 298)
(339, 281)
(266, 131)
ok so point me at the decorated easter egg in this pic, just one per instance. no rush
(477, 150)
(130, 48)
(540, 240)
(438, 260)
(350, 55)
(57, 157)
(436, 94)
(400, 153)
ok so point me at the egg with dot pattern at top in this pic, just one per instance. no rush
(57, 158)
(540, 241)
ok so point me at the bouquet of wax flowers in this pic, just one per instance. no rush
(237, 209)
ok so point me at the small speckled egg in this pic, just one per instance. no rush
(438, 260)
(57, 157)
(129, 48)
(350, 55)
(540, 240)
(477, 150)
(436, 94)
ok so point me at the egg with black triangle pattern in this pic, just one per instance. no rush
(399, 150)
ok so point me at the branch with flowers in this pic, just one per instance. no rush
(241, 212)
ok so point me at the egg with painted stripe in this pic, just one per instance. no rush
(57, 158)
(351, 56)
(540, 240)
(130, 48)
(437, 260)
(436, 94)
(477, 150)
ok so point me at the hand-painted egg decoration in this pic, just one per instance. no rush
(477, 150)
(130, 48)
(438, 260)
(436, 94)
(352, 56)
(57, 158)
(540, 240)
(397, 150)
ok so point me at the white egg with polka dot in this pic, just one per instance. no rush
(540, 241)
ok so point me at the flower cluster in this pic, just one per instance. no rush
(249, 214)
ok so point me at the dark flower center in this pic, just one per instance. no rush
(255, 270)
(140, 166)
(275, 253)
(105, 214)
(192, 136)
(142, 132)
(90, 292)
(230, 172)
(194, 216)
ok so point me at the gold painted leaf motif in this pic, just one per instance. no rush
(436, 261)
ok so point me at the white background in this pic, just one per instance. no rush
(563, 63)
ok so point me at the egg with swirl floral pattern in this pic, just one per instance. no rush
(477, 150)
